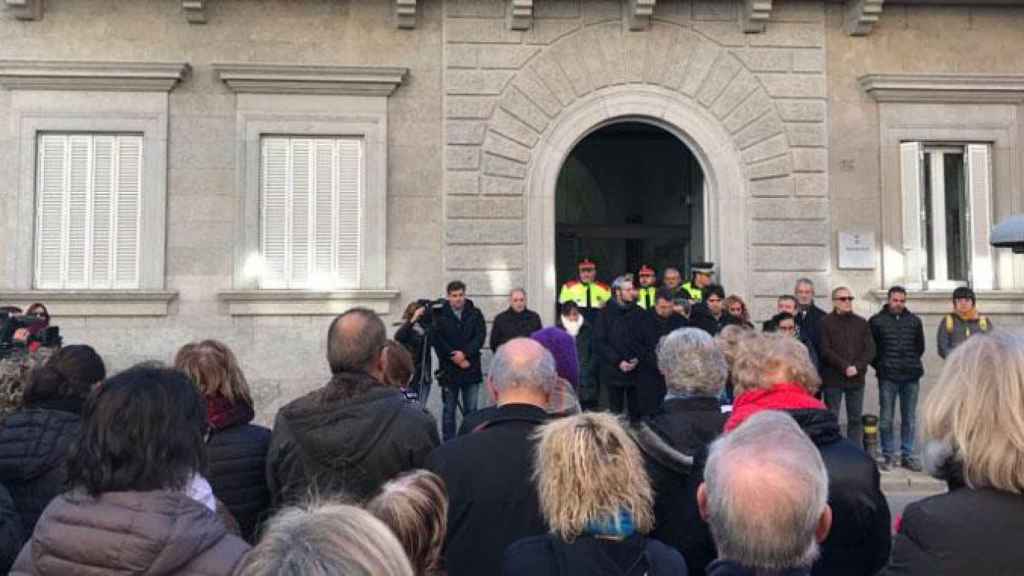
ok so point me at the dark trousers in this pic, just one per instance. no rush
(450, 395)
(854, 409)
(624, 400)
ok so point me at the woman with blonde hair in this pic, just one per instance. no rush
(597, 501)
(973, 433)
(774, 372)
(415, 507)
(236, 448)
(326, 540)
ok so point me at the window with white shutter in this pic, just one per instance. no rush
(311, 212)
(946, 215)
(88, 209)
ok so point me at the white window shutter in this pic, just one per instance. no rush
(911, 186)
(350, 197)
(324, 208)
(301, 225)
(274, 213)
(979, 187)
(51, 191)
(101, 254)
(79, 192)
(128, 200)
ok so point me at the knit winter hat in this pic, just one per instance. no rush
(563, 347)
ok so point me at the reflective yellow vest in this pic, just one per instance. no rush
(585, 295)
(645, 297)
(695, 293)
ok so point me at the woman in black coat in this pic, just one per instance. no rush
(34, 441)
(236, 448)
(414, 334)
(597, 501)
(974, 440)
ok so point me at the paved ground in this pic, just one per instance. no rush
(901, 487)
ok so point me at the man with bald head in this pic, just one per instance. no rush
(493, 501)
(355, 433)
(765, 495)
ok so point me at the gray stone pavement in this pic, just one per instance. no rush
(901, 487)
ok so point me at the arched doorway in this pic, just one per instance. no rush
(629, 193)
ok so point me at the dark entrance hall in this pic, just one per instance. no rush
(629, 194)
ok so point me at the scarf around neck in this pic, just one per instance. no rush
(573, 328)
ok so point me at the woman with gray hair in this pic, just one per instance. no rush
(325, 540)
(596, 500)
(675, 440)
(973, 432)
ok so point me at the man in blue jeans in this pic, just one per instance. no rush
(459, 335)
(899, 341)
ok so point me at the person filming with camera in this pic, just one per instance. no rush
(459, 333)
(415, 333)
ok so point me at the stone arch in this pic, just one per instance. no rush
(669, 76)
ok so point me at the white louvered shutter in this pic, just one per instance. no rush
(311, 212)
(128, 215)
(50, 226)
(89, 200)
(911, 187)
(979, 188)
(274, 212)
(350, 197)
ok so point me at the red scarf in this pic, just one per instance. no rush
(221, 413)
(781, 396)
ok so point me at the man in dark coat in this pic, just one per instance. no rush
(808, 315)
(354, 434)
(489, 473)
(675, 440)
(846, 349)
(765, 495)
(899, 344)
(660, 321)
(458, 336)
(515, 322)
(710, 314)
(619, 345)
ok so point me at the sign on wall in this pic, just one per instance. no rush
(856, 250)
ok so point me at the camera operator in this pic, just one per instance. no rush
(458, 336)
(415, 334)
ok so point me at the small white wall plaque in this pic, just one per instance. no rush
(857, 250)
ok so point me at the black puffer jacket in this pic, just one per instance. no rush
(237, 456)
(11, 535)
(688, 426)
(618, 336)
(899, 345)
(34, 447)
(465, 333)
(588, 555)
(965, 532)
(350, 436)
(860, 540)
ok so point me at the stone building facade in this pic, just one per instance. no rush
(810, 119)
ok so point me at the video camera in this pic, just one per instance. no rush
(430, 307)
(34, 326)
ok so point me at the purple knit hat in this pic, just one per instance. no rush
(563, 347)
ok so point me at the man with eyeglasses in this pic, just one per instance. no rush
(899, 339)
(785, 323)
(846, 349)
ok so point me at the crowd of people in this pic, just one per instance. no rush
(619, 442)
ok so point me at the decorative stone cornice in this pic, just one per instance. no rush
(405, 13)
(862, 15)
(26, 9)
(640, 14)
(756, 14)
(300, 79)
(195, 11)
(520, 14)
(97, 76)
(966, 88)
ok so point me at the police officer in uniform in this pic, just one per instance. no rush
(645, 296)
(588, 294)
(701, 273)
